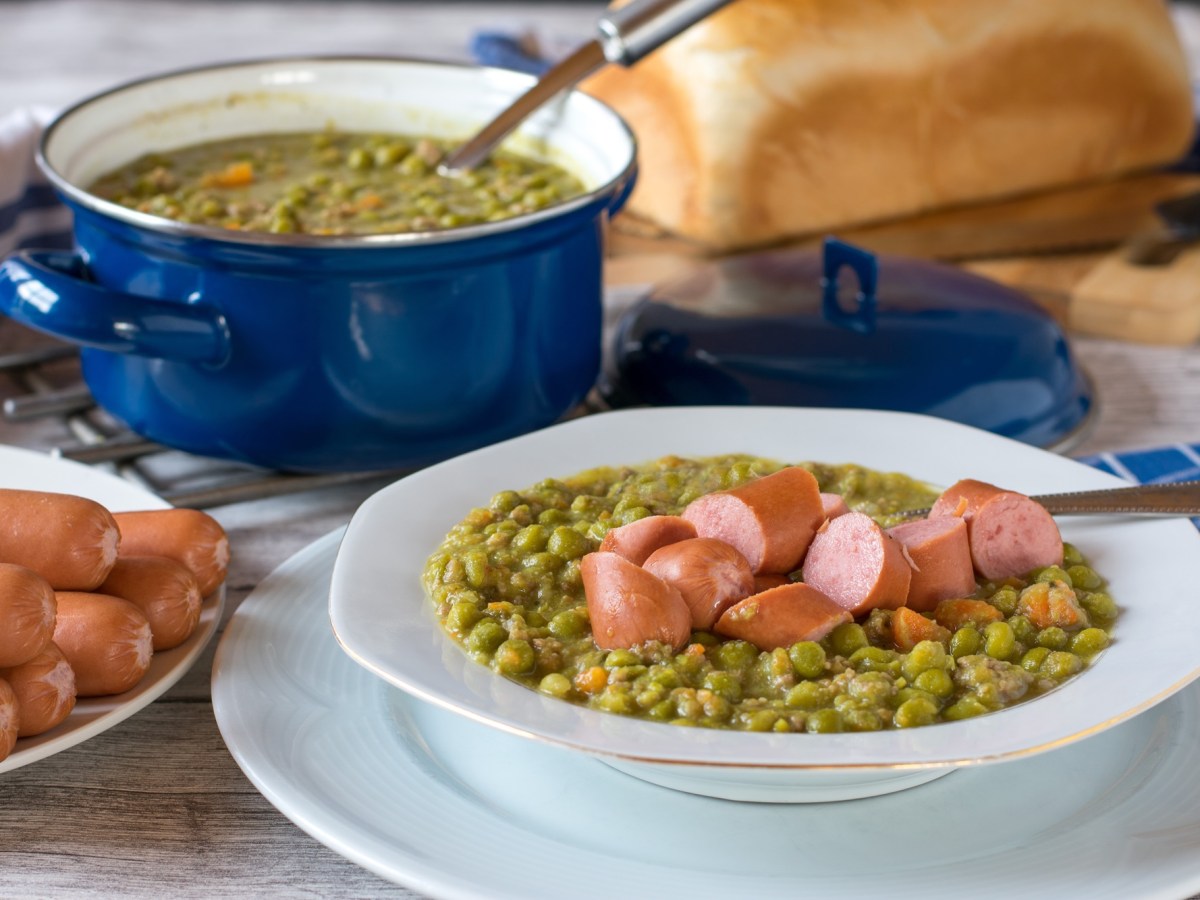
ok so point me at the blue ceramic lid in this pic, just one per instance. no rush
(847, 328)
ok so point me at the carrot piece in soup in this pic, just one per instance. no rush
(1052, 605)
(909, 628)
(954, 614)
(236, 174)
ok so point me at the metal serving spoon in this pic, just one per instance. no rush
(624, 36)
(1179, 499)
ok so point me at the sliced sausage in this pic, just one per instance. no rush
(70, 541)
(766, 582)
(27, 611)
(709, 574)
(834, 505)
(771, 521)
(1009, 533)
(45, 689)
(9, 719)
(165, 590)
(641, 537)
(781, 616)
(629, 606)
(857, 565)
(106, 640)
(189, 536)
(941, 560)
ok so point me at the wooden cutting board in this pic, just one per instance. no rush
(1105, 294)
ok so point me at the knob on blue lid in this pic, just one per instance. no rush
(848, 328)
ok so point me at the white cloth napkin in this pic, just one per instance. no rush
(30, 214)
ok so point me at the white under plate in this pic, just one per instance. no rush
(93, 715)
(452, 808)
(385, 622)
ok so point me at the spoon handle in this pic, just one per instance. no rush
(629, 33)
(566, 74)
(1182, 498)
(1179, 499)
(624, 36)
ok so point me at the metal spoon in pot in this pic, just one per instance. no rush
(1179, 499)
(624, 36)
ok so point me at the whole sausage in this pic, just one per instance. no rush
(70, 541)
(106, 640)
(641, 537)
(165, 590)
(188, 536)
(710, 575)
(781, 616)
(9, 719)
(771, 521)
(27, 611)
(941, 560)
(45, 689)
(834, 505)
(854, 563)
(1009, 534)
(629, 606)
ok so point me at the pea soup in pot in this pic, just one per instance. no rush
(333, 183)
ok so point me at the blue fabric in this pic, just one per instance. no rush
(30, 212)
(506, 51)
(37, 197)
(1155, 465)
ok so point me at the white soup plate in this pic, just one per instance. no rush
(383, 619)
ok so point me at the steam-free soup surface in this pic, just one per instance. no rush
(332, 183)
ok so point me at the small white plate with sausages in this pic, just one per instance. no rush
(384, 621)
(91, 716)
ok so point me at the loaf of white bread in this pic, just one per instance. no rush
(779, 118)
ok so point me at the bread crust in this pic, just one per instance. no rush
(780, 118)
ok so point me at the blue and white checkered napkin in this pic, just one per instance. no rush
(30, 214)
(1158, 465)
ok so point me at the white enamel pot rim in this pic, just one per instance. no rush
(441, 99)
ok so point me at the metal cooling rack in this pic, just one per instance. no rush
(52, 396)
(51, 392)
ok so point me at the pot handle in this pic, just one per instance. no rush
(48, 290)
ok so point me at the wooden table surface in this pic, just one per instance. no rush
(156, 806)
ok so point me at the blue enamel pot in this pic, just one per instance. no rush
(312, 353)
